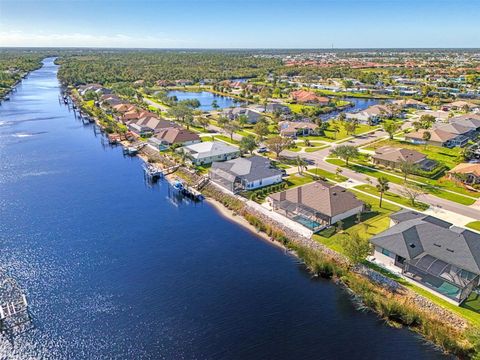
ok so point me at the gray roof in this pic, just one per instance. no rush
(249, 169)
(416, 236)
(209, 149)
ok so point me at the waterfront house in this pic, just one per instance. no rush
(466, 172)
(316, 205)
(293, 129)
(372, 115)
(174, 136)
(393, 157)
(309, 97)
(142, 131)
(278, 108)
(156, 124)
(432, 253)
(210, 151)
(245, 173)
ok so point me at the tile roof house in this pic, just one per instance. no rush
(245, 173)
(309, 97)
(448, 135)
(460, 104)
(469, 173)
(431, 252)
(174, 136)
(471, 121)
(372, 114)
(410, 103)
(316, 205)
(294, 128)
(392, 157)
(210, 151)
(252, 116)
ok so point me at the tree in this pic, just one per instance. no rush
(411, 192)
(427, 120)
(277, 144)
(407, 167)
(261, 129)
(322, 126)
(248, 144)
(382, 187)
(242, 119)
(356, 247)
(222, 120)
(338, 171)
(215, 105)
(350, 126)
(301, 164)
(391, 127)
(426, 137)
(203, 122)
(335, 129)
(230, 128)
(345, 152)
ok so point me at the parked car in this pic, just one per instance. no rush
(262, 149)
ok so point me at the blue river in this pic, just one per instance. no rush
(116, 269)
(205, 98)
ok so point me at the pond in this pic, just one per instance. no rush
(206, 99)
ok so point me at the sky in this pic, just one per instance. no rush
(241, 23)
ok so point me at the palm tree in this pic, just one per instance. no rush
(301, 164)
(382, 187)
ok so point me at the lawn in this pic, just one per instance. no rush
(341, 134)
(327, 174)
(436, 191)
(374, 222)
(393, 197)
(315, 148)
(297, 180)
(475, 225)
(226, 139)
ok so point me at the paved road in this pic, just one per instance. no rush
(319, 158)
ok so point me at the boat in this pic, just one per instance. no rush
(177, 185)
(130, 150)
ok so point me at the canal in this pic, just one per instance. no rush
(114, 268)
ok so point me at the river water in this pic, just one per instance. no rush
(114, 268)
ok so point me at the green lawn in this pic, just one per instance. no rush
(475, 225)
(226, 139)
(371, 172)
(315, 148)
(393, 197)
(297, 180)
(328, 175)
(372, 223)
(341, 134)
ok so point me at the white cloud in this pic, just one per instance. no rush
(18, 38)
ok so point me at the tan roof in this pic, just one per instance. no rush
(293, 127)
(308, 96)
(177, 135)
(461, 103)
(466, 168)
(398, 154)
(327, 199)
(436, 135)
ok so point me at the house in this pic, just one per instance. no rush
(392, 157)
(156, 124)
(372, 115)
(460, 105)
(440, 116)
(174, 136)
(294, 129)
(278, 108)
(471, 121)
(143, 131)
(123, 108)
(316, 205)
(438, 137)
(245, 173)
(210, 151)
(309, 97)
(432, 253)
(466, 172)
(410, 104)
(252, 116)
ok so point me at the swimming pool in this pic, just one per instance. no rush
(311, 224)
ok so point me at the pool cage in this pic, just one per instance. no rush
(302, 214)
(226, 180)
(447, 279)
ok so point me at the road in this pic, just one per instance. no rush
(319, 158)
